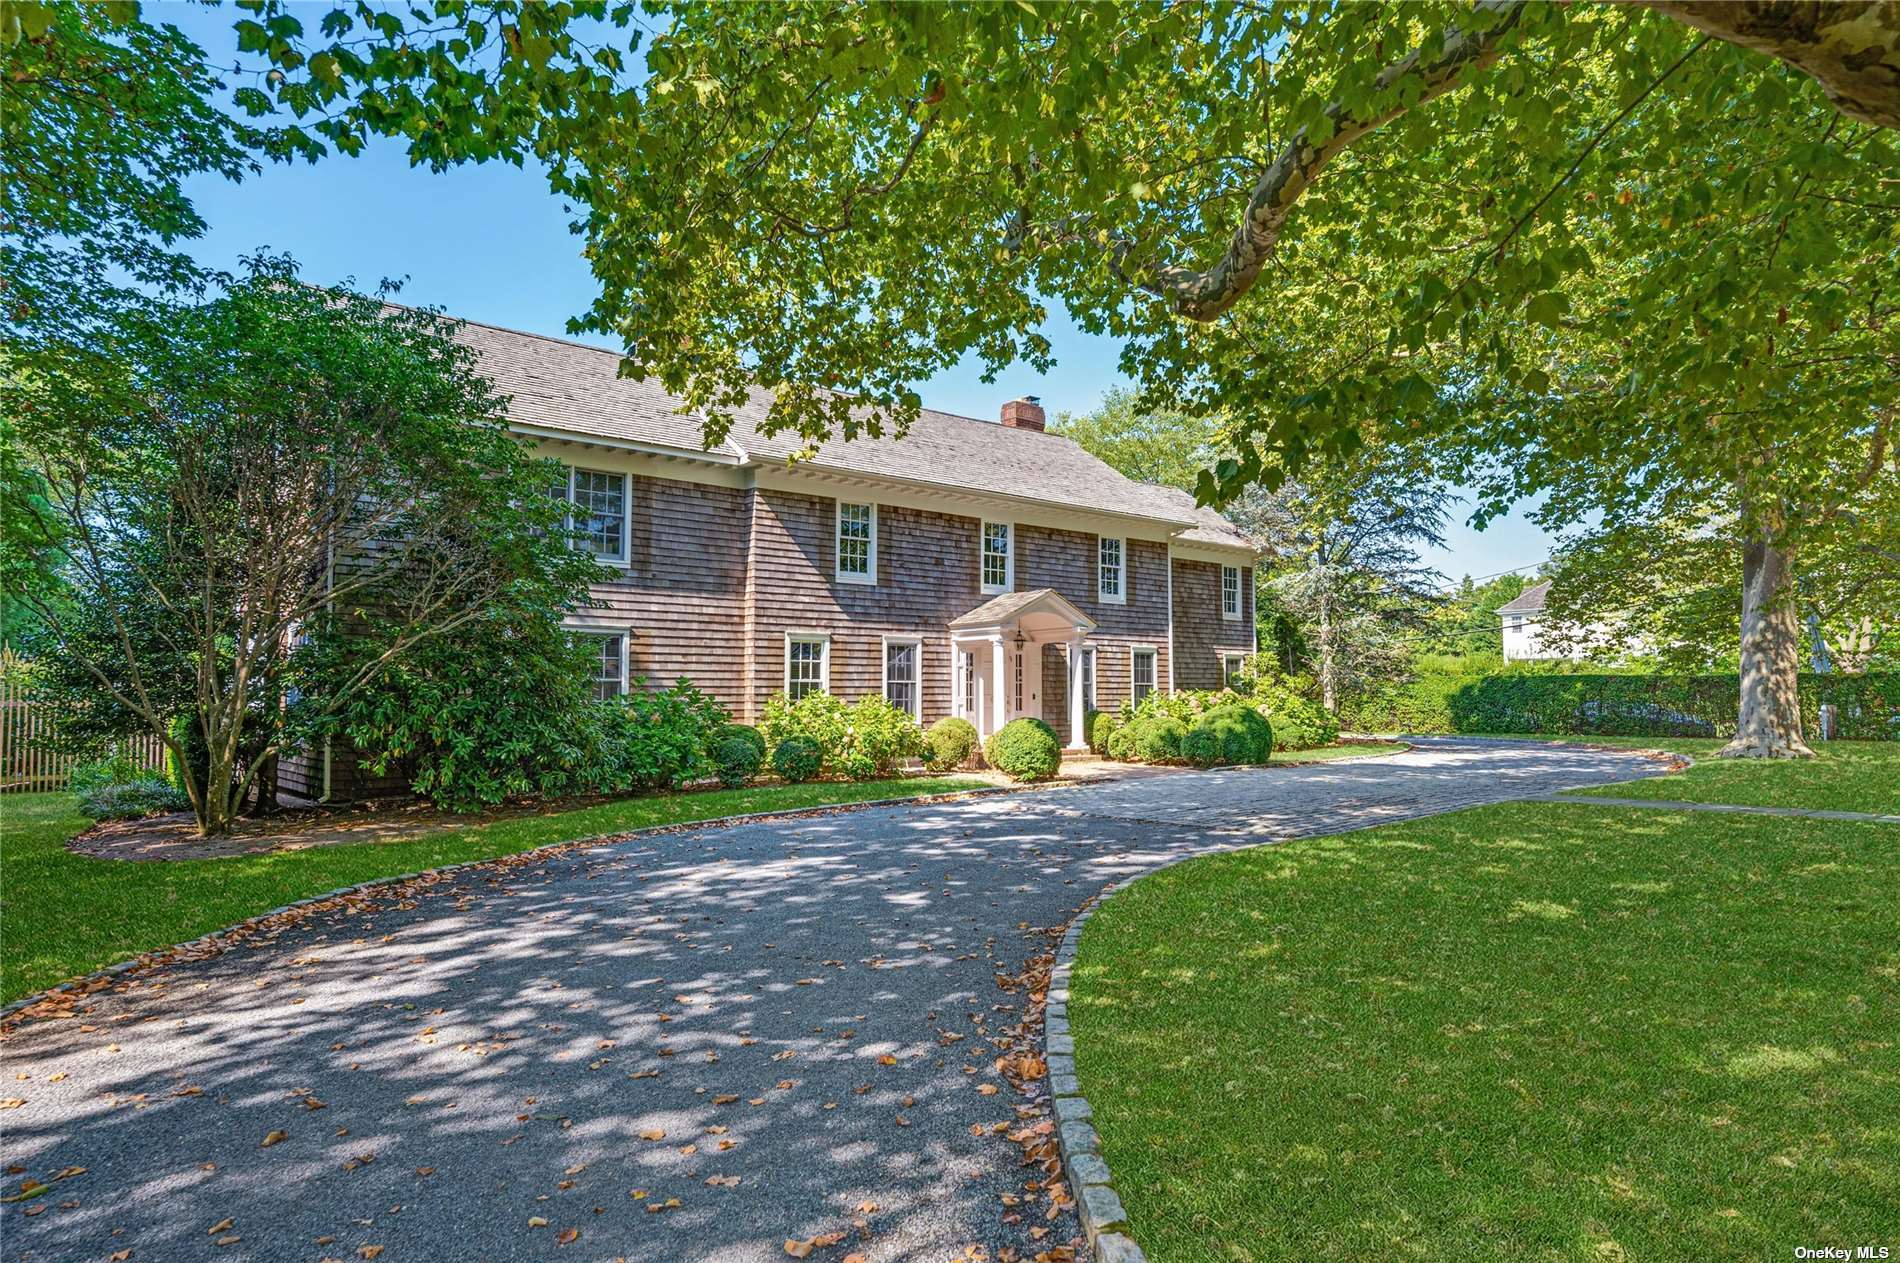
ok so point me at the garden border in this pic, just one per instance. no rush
(160, 956)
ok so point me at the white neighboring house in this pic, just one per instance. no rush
(1523, 620)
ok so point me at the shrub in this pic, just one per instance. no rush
(797, 759)
(1024, 750)
(1101, 732)
(114, 769)
(1121, 743)
(736, 758)
(1228, 735)
(133, 800)
(745, 732)
(1159, 740)
(657, 738)
(950, 743)
(1298, 722)
(820, 718)
(879, 737)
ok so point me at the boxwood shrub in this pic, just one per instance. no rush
(797, 759)
(1102, 732)
(1158, 740)
(1024, 750)
(950, 743)
(737, 757)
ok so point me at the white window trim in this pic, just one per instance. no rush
(1134, 652)
(868, 579)
(1120, 597)
(824, 667)
(1240, 602)
(1092, 672)
(1009, 557)
(884, 686)
(1226, 656)
(598, 630)
(625, 560)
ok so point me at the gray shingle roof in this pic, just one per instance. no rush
(559, 385)
(1001, 609)
(1529, 601)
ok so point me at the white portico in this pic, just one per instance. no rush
(996, 659)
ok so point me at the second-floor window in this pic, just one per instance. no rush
(1109, 570)
(1230, 591)
(857, 542)
(597, 512)
(998, 558)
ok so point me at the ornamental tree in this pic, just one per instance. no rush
(230, 486)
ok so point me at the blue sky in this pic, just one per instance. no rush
(491, 243)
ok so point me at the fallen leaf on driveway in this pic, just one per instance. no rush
(798, 1249)
(653, 1133)
(274, 1137)
(370, 1251)
(223, 1225)
(536, 1221)
(725, 1098)
(567, 1236)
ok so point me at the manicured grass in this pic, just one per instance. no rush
(1843, 776)
(63, 914)
(1323, 754)
(1522, 1032)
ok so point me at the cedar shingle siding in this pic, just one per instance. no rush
(1201, 635)
(739, 550)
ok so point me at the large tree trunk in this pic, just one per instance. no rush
(1769, 723)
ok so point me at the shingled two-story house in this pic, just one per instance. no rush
(974, 568)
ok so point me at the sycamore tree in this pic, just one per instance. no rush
(228, 486)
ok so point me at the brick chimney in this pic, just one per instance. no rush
(1023, 414)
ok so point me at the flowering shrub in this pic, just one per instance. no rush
(862, 741)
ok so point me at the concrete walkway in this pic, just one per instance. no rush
(691, 1047)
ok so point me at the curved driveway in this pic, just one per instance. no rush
(685, 1047)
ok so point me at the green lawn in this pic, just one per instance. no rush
(63, 914)
(1843, 776)
(1529, 1031)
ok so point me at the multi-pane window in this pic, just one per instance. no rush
(1018, 681)
(857, 543)
(1230, 666)
(996, 556)
(1109, 581)
(1144, 682)
(598, 512)
(902, 687)
(1230, 591)
(1088, 678)
(609, 665)
(807, 666)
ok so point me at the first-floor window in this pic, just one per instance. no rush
(1144, 674)
(609, 665)
(1088, 678)
(1230, 591)
(807, 665)
(902, 689)
(1018, 681)
(1230, 665)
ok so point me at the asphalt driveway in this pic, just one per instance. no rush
(689, 1047)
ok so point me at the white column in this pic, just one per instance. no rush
(1076, 706)
(999, 683)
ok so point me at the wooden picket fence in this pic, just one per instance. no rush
(27, 763)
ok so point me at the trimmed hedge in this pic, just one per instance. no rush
(1159, 740)
(736, 758)
(1867, 707)
(1024, 750)
(1228, 735)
